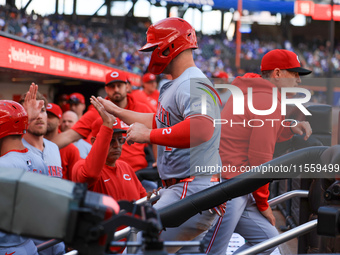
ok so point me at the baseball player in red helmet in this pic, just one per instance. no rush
(183, 129)
(14, 122)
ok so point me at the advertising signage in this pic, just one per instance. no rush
(250, 5)
(317, 11)
(31, 58)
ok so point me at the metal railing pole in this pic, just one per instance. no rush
(288, 195)
(295, 232)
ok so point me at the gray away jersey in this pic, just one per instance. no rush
(83, 147)
(50, 155)
(26, 160)
(180, 99)
(13, 243)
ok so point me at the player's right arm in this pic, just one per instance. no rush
(65, 138)
(31, 105)
(129, 117)
(89, 170)
(81, 129)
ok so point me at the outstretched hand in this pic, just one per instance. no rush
(108, 119)
(109, 106)
(31, 104)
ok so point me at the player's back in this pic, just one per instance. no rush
(24, 159)
(181, 99)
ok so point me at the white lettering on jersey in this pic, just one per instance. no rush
(166, 131)
(127, 177)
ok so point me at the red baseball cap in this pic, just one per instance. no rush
(148, 77)
(117, 128)
(54, 109)
(116, 76)
(76, 98)
(283, 59)
(221, 75)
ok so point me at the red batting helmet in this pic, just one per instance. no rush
(13, 118)
(173, 34)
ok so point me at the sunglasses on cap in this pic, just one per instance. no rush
(74, 100)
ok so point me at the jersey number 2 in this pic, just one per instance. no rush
(166, 131)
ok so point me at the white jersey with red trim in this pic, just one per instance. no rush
(188, 96)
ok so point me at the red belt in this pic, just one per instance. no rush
(173, 181)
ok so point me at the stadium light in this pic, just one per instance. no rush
(299, 20)
(206, 8)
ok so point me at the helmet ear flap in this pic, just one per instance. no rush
(166, 52)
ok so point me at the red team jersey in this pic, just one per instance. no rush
(150, 100)
(133, 154)
(69, 156)
(119, 182)
(243, 145)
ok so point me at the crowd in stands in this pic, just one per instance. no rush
(119, 46)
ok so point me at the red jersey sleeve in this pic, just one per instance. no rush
(261, 197)
(89, 169)
(286, 133)
(69, 157)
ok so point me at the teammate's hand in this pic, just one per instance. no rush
(301, 128)
(153, 192)
(138, 133)
(268, 214)
(109, 106)
(31, 104)
(108, 119)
